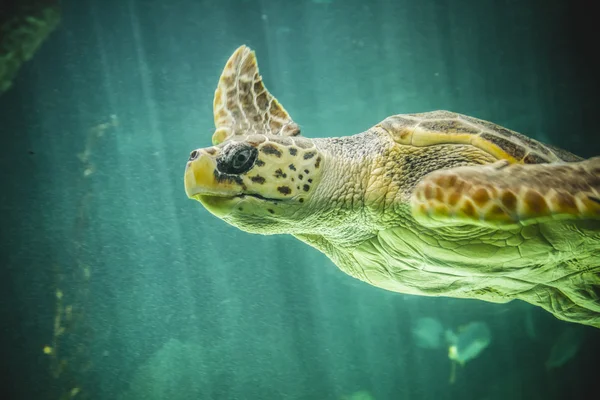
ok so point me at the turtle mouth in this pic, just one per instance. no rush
(256, 196)
(223, 197)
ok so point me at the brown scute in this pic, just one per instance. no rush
(565, 202)
(535, 203)
(306, 188)
(231, 102)
(275, 127)
(271, 150)
(448, 126)
(249, 65)
(511, 148)
(309, 154)
(293, 151)
(439, 194)
(496, 212)
(468, 209)
(533, 158)
(279, 173)
(260, 163)
(258, 179)
(509, 200)
(284, 190)
(446, 181)
(429, 192)
(454, 198)
(292, 167)
(243, 86)
(318, 162)
(480, 197)
(262, 100)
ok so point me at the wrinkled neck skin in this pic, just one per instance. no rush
(339, 213)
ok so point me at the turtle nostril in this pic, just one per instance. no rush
(193, 155)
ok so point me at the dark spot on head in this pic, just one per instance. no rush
(301, 200)
(317, 163)
(260, 163)
(279, 174)
(306, 171)
(222, 177)
(309, 154)
(300, 176)
(310, 180)
(271, 211)
(271, 150)
(258, 179)
(306, 188)
(292, 167)
(240, 208)
(284, 190)
(293, 151)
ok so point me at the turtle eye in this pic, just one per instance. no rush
(239, 160)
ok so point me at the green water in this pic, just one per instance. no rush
(158, 299)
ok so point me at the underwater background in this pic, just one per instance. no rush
(114, 285)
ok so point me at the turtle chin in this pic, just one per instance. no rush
(219, 206)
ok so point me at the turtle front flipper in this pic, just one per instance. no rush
(242, 104)
(503, 195)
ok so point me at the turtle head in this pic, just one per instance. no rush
(258, 183)
(260, 173)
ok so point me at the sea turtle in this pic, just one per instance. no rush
(435, 204)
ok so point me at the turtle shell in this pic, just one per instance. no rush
(444, 127)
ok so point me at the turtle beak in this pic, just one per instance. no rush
(201, 178)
